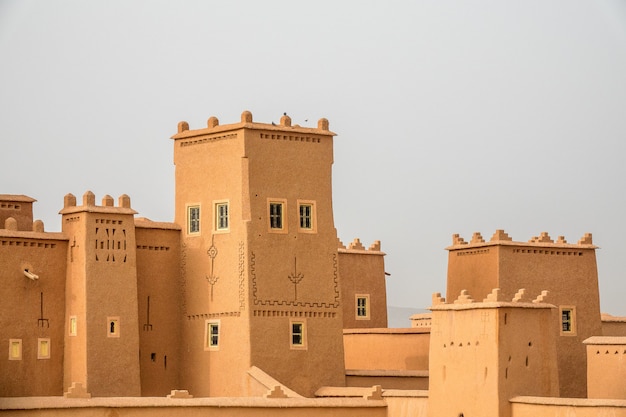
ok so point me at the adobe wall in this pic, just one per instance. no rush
(159, 301)
(294, 273)
(482, 353)
(193, 407)
(18, 207)
(398, 380)
(606, 367)
(31, 310)
(362, 273)
(613, 326)
(568, 271)
(101, 290)
(570, 407)
(210, 167)
(397, 349)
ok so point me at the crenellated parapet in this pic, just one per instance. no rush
(284, 124)
(494, 299)
(356, 246)
(89, 204)
(500, 237)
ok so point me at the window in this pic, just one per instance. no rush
(306, 211)
(221, 216)
(113, 327)
(72, 329)
(276, 215)
(43, 348)
(568, 320)
(297, 334)
(277, 209)
(362, 307)
(193, 219)
(15, 349)
(212, 335)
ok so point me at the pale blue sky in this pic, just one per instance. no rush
(452, 116)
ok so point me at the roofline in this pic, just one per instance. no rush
(252, 126)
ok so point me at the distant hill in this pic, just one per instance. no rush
(399, 316)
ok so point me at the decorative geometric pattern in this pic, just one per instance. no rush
(207, 139)
(321, 304)
(242, 269)
(212, 252)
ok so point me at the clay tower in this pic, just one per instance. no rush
(102, 335)
(259, 255)
(567, 270)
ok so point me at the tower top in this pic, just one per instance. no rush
(89, 204)
(500, 237)
(213, 126)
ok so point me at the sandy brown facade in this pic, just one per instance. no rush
(247, 303)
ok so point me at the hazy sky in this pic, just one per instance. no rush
(452, 116)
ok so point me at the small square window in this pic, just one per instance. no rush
(212, 335)
(221, 216)
(15, 349)
(193, 219)
(297, 334)
(72, 326)
(43, 348)
(113, 327)
(362, 307)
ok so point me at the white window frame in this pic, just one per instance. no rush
(209, 342)
(283, 215)
(193, 223)
(218, 216)
(571, 320)
(302, 334)
(43, 348)
(15, 349)
(312, 216)
(365, 308)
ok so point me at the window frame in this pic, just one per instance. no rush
(302, 334)
(72, 326)
(312, 215)
(571, 320)
(217, 216)
(366, 307)
(41, 353)
(209, 325)
(193, 222)
(18, 355)
(283, 215)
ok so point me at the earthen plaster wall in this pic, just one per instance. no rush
(210, 168)
(18, 207)
(294, 273)
(102, 294)
(390, 349)
(606, 367)
(159, 302)
(567, 271)
(482, 354)
(362, 273)
(31, 310)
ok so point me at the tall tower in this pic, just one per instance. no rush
(102, 335)
(259, 255)
(567, 270)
